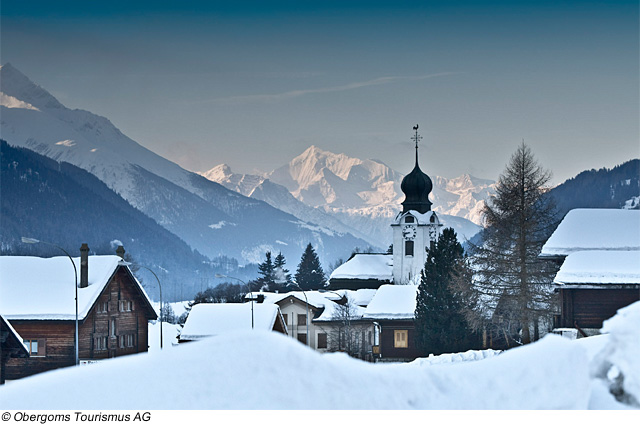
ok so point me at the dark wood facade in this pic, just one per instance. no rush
(10, 347)
(589, 308)
(388, 349)
(116, 325)
(355, 284)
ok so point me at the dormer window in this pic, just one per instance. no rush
(409, 219)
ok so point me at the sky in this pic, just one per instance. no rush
(253, 84)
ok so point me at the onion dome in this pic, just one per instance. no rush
(416, 187)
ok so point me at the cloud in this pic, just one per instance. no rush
(297, 93)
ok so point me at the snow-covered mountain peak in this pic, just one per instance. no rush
(218, 173)
(17, 85)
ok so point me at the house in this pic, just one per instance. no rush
(593, 285)
(321, 309)
(599, 252)
(10, 346)
(38, 300)
(209, 319)
(392, 311)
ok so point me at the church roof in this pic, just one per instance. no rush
(416, 186)
(366, 266)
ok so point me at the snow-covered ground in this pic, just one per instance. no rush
(265, 370)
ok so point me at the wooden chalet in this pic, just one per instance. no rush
(594, 285)
(599, 255)
(11, 346)
(392, 311)
(38, 300)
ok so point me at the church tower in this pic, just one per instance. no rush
(416, 227)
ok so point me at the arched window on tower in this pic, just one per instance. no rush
(408, 248)
(432, 219)
(409, 219)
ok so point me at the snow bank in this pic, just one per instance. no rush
(550, 374)
(449, 358)
(618, 363)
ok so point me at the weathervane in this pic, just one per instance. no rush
(416, 138)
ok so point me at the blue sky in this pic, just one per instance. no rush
(253, 84)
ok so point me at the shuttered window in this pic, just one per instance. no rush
(401, 339)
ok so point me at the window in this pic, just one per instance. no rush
(100, 343)
(302, 319)
(103, 307)
(302, 338)
(127, 341)
(409, 219)
(126, 305)
(113, 326)
(322, 340)
(370, 339)
(36, 347)
(400, 339)
(408, 248)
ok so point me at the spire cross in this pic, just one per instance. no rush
(416, 138)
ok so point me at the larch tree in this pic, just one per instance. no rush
(513, 285)
(441, 325)
(310, 275)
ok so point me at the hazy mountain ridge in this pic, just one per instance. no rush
(185, 203)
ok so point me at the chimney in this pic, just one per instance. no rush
(84, 265)
(120, 251)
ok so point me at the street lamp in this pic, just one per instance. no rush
(159, 286)
(219, 276)
(307, 312)
(75, 270)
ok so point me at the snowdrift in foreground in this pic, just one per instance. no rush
(265, 370)
(224, 373)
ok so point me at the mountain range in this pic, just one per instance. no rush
(360, 196)
(207, 216)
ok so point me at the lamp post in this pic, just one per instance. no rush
(218, 275)
(307, 312)
(75, 271)
(159, 286)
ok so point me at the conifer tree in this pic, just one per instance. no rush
(310, 275)
(266, 281)
(514, 284)
(281, 274)
(440, 322)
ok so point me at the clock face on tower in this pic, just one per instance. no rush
(432, 234)
(409, 232)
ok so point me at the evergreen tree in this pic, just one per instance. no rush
(310, 275)
(513, 283)
(282, 276)
(266, 281)
(440, 322)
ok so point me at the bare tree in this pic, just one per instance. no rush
(511, 282)
(346, 330)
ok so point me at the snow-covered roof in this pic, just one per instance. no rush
(13, 334)
(600, 267)
(585, 229)
(331, 312)
(215, 319)
(36, 288)
(366, 266)
(43, 288)
(393, 302)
